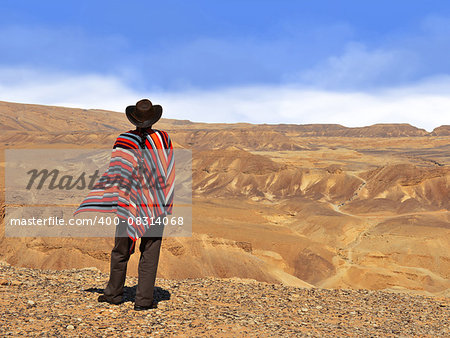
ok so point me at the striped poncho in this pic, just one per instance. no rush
(138, 184)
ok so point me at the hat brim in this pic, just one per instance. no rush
(154, 115)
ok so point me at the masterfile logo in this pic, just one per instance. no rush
(45, 186)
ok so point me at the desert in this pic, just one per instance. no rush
(320, 205)
(311, 207)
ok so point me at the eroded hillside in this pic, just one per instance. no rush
(306, 205)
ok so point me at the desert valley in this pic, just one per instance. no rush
(303, 205)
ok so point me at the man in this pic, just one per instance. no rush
(138, 187)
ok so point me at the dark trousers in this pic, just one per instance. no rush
(148, 265)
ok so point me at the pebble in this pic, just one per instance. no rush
(220, 307)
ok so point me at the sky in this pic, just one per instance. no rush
(354, 63)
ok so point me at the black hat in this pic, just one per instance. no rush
(144, 114)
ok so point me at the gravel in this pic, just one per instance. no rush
(46, 302)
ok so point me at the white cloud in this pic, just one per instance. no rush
(425, 104)
(359, 66)
(412, 105)
(84, 91)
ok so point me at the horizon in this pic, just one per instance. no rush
(235, 62)
(250, 123)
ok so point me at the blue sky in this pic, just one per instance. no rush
(348, 62)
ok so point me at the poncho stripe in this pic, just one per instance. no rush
(122, 190)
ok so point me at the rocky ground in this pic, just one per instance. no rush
(46, 302)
